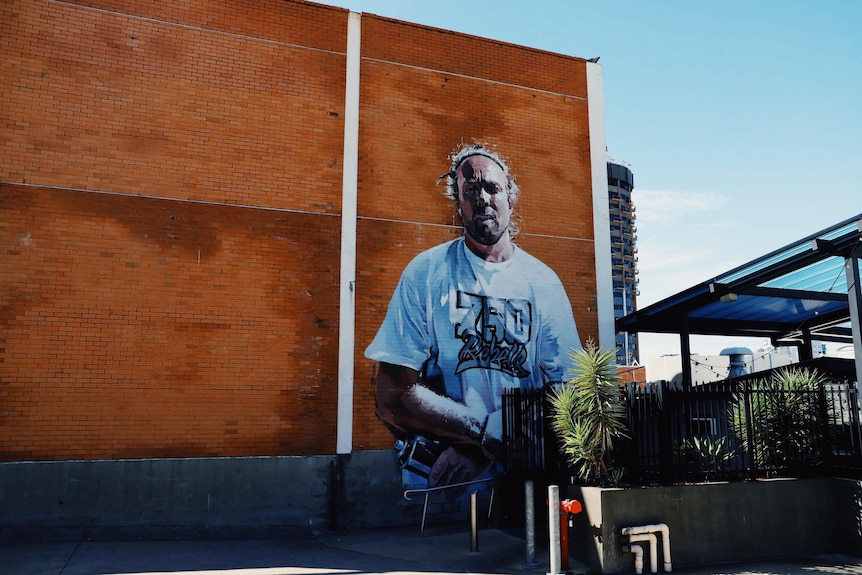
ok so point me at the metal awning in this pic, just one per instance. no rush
(792, 296)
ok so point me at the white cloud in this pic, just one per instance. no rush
(684, 238)
(675, 205)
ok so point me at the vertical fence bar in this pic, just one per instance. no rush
(508, 436)
(665, 435)
(749, 431)
(855, 420)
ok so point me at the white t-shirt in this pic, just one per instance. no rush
(481, 327)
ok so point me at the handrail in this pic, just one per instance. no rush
(428, 490)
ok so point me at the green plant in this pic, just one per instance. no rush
(588, 413)
(779, 424)
(706, 455)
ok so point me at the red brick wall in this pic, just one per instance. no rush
(632, 374)
(169, 212)
(135, 325)
(108, 101)
(139, 327)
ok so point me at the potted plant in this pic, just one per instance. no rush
(779, 415)
(588, 413)
(707, 456)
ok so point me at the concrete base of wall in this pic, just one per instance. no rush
(217, 497)
(273, 496)
(714, 523)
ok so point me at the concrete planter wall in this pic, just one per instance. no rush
(713, 523)
(170, 498)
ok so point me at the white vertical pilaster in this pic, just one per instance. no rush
(347, 302)
(601, 215)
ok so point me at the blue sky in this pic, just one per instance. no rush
(741, 120)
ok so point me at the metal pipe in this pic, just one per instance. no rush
(408, 493)
(564, 540)
(424, 513)
(530, 518)
(474, 522)
(568, 507)
(554, 528)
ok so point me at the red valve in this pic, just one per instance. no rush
(572, 506)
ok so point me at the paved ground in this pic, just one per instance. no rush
(401, 550)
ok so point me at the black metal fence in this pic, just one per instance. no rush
(740, 430)
(530, 443)
(731, 430)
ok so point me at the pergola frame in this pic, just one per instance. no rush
(807, 291)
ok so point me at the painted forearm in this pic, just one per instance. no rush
(406, 403)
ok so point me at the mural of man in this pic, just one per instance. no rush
(469, 318)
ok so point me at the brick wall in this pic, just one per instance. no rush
(140, 327)
(423, 91)
(170, 212)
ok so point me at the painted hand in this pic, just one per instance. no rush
(457, 466)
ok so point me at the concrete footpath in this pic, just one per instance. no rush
(390, 550)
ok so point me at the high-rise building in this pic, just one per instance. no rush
(624, 257)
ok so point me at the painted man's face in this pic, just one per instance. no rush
(483, 199)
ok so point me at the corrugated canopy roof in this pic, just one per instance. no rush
(797, 290)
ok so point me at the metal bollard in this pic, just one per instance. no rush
(474, 522)
(554, 528)
(530, 516)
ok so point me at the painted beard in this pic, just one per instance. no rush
(484, 228)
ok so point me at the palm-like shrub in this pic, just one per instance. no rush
(588, 413)
(707, 456)
(779, 427)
